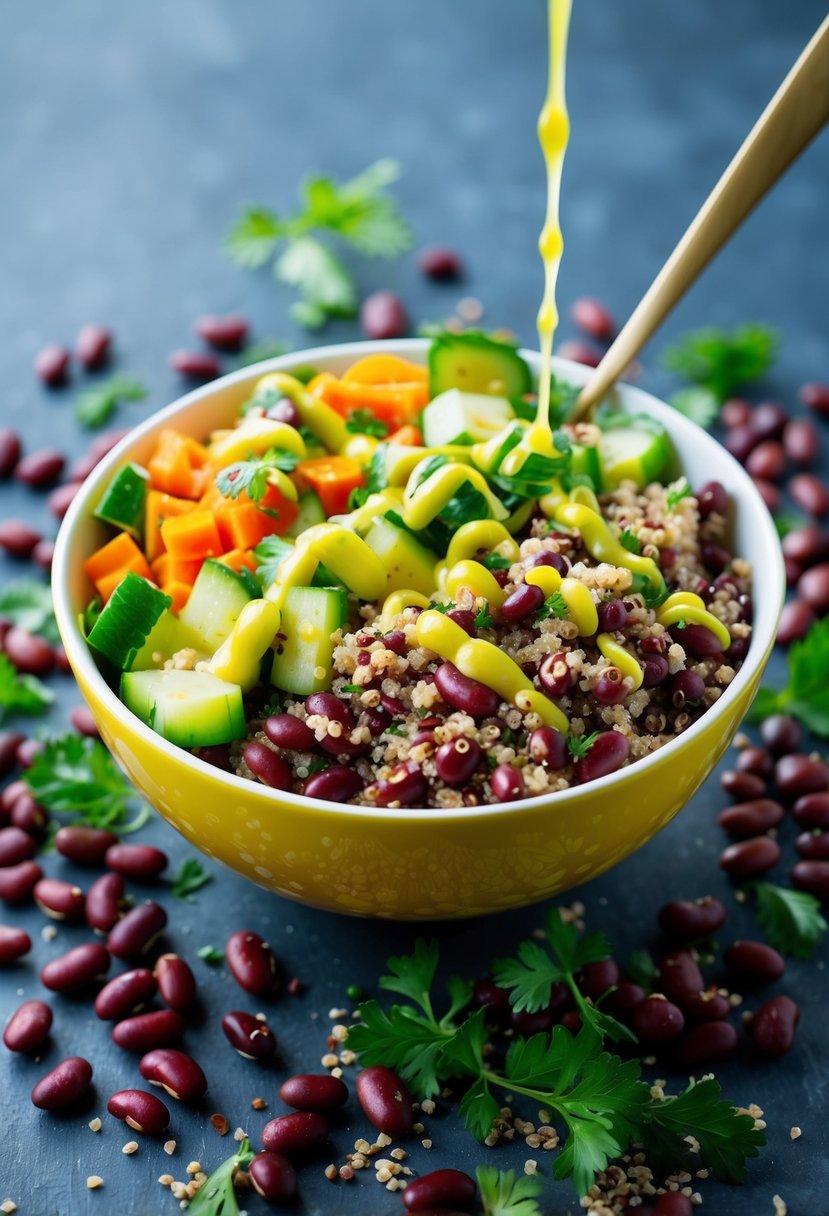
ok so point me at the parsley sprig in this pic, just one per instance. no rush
(723, 361)
(28, 604)
(676, 494)
(358, 212)
(94, 406)
(791, 920)
(77, 776)
(806, 693)
(554, 605)
(365, 422)
(217, 1197)
(252, 475)
(630, 541)
(190, 877)
(505, 1193)
(21, 694)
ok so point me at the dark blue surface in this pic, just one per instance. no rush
(129, 138)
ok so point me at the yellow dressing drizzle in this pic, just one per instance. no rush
(603, 545)
(319, 417)
(239, 658)
(621, 658)
(580, 607)
(361, 519)
(474, 576)
(482, 661)
(422, 504)
(345, 555)
(398, 601)
(481, 534)
(687, 611)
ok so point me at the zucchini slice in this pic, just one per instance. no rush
(476, 363)
(188, 708)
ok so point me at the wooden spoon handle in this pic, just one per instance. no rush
(793, 117)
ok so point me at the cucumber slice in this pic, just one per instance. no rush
(587, 463)
(634, 450)
(127, 619)
(311, 511)
(219, 594)
(188, 708)
(310, 615)
(409, 565)
(399, 459)
(167, 636)
(464, 418)
(271, 552)
(124, 499)
(477, 364)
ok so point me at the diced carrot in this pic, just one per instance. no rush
(333, 478)
(177, 465)
(179, 593)
(106, 584)
(191, 536)
(183, 571)
(408, 434)
(108, 565)
(394, 404)
(159, 507)
(239, 559)
(161, 569)
(386, 369)
(242, 525)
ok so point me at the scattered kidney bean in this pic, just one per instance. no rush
(17, 537)
(813, 587)
(816, 397)
(176, 982)
(774, 1024)
(141, 1111)
(591, 315)
(40, 468)
(309, 1092)
(487, 992)
(595, 979)
(555, 675)
(770, 494)
(705, 1043)
(741, 441)
(10, 740)
(768, 420)
(195, 364)
(528, 1024)
(273, 1176)
(796, 620)
(805, 545)
(793, 571)
(28, 1027)
(292, 1134)
(680, 976)
(406, 786)
(620, 1002)
(60, 499)
(748, 819)
(812, 876)
(52, 364)
(687, 920)
(337, 783)
(547, 746)
(673, 1203)
(290, 732)
(656, 1020)
(92, 345)
(175, 1072)
(140, 861)
(768, 460)
(750, 858)
(607, 754)
(10, 449)
(755, 961)
(813, 846)
(30, 654)
(707, 1006)
(14, 943)
(225, 333)
(754, 760)
(104, 901)
(812, 811)
(799, 774)
(469, 696)
(66, 1084)
(385, 1100)
(800, 441)
(382, 315)
(457, 759)
(268, 766)
(781, 734)
(85, 846)
(251, 962)
(60, 900)
(147, 1031)
(249, 1035)
(15, 846)
(135, 933)
(78, 968)
(62, 663)
(125, 994)
(743, 787)
(506, 783)
(28, 816)
(104, 443)
(579, 352)
(15, 789)
(440, 263)
(17, 882)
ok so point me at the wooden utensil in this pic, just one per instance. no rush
(798, 110)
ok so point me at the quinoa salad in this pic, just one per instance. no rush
(397, 587)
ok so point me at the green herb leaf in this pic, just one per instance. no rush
(359, 212)
(217, 1197)
(554, 605)
(806, 694)
(211, 956)
(364, 422)
(352, 688)
(504, 1193)
(252, 475)
(28, 604)
(791, 920)
(579, 745)
(77, 776)
(676, 494)
(494, 561)
(21, 694)
(483, 617)
(630, 541)
(326, 287)
(723, 361)
(191, 877)
(788, 522)
(698, 404)
(257, 352)
(253, 239)
(95, 405)
(726, 1138)
(641, 969)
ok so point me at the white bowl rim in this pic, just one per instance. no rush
(773, 583)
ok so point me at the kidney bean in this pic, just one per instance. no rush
(147, 1031)
(52, 364)
(385, 1100)
(487, 992)
(176, 981)
(781, 734)
(622, 999)
(382, 315)
(60, 900)
(83, 722)
(547, 746)
(293, 1134)
(698, 641)
(798, 774)
(748, 819)
(457, 759)
(656, 1020)
(15, 846)
(816, 397)
(540, 1021)
(328, 706)
(30, 654)
(464, 618)
(680, 976)
(268, 766)
(686, 687)
(812, 876)
(741, 441)
(141, 1111)
(812, 811)
(28, 1027)
(84, 846)
(768, 420)
(793, 571)
(125, 994)
(555, 675)
(135, 933)
(17, 882)
(579, 352)
(808, 491)
(770, 494)
(610, 689)
(712, 498)
(440, 263)
(406, 786)
(78, 968)
(706, 1006)
(290, 732)
(41, 468)
(688, 920)
(28, 752)
(251, 962)
(755, 961)
(285, 411)
(806, 545)
(813, 587)
(14, 943)
(309, 1092)
(705, 1043)
(13, 791)
(10, 449)
(813, 846)
(506, 783)
(391, 705)
(800, 441)
(750, 858)
(655, 671)
(61, 498)
(140, 861)
(82, 467)
(796, 620)
(767, 460)
(10, 740)
(62, 663)
(105, 902)
(195, 364)
(571, 1020)
(249, 1035)
(607, 754)
(92, 345)
(743, 787)
(66, 1084)
(102, 444)
(673, 1203)
(334, 784)
(522, 602)
(469, 696)
(225, 333)
(272, 1176)
(774, 1024)
(177, 1073)
(28, 816)
(754, 760)
(592, 316)
(595, 979)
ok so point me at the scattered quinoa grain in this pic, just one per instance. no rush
(194, 1167)
(780, 1207)
(329, 1060)
(399, 1154)
(330, 1172)
(426, 1143)
(95, 1124)
(530, 1166)
(166, 1179)
(8, 1206)
(220, 1123)
(48, 933)
(427, 1106)
(240, 1134)
(169, 1147)
(93, 1182)
(259, 1104)
(130, 1147)
(346, 1173)
(382, 1141)
(795, 1133)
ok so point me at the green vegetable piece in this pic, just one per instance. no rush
(464, 418)
(475, 363)
(633, 448)
(219, 594)
(304, 662)
(806, 694)
(127, 619)
(791, 920)
(311, 511)
(124, 499)
(409, 564)
(723, 361)
(21, 694)
(188, 708)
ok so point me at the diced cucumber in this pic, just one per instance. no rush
(303, 661)
(271, 552)
(477, 364)
(311, 511)
(188, 708)
(168, 636)
(587, 463)
(219, 594)
(409, 565)
(633, 448)
(398, 459)
(127, 619)
(464, 418)
(124, 499)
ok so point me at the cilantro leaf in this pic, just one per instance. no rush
(365, 422)
(359, 212)
(324, 284)
(494, 561)
(726, 1138)
(412, 975)
(211, 955)
(217, 1196)
(95, 405)
(77, 775)
(806, 694)
(251, 476)
(28, 604)
(791, 920)
(630, 541)
(191, 877)
(504, 1193)
(554, 605)
(698, 404)
(253, 238)
(723, 361)
(479, 1108)
(529, 977)
(21, 694)
(676, 494)
(579, 745)
(483, 617)
(641, 969)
